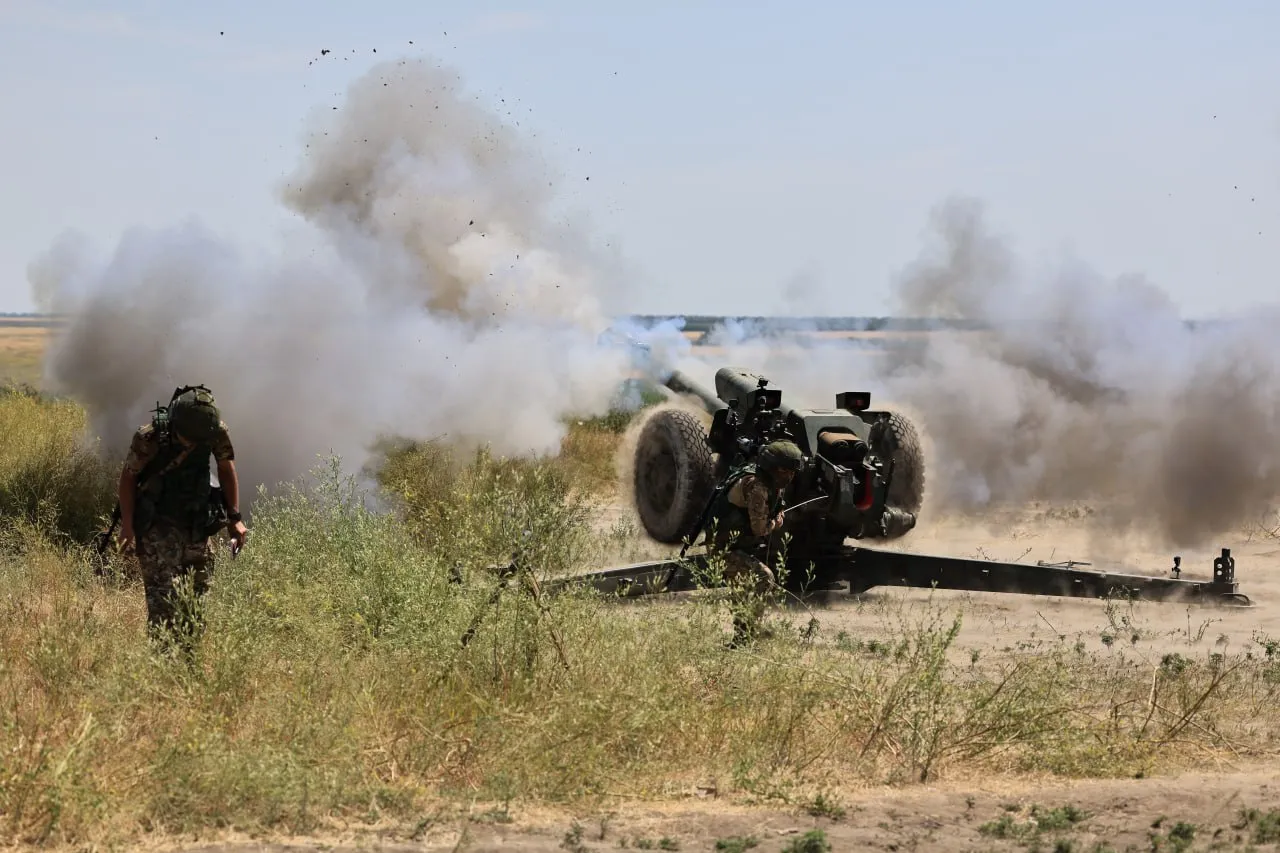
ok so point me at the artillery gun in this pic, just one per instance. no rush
(863, 480)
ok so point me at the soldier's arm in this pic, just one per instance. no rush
(225, 455)
(758, 507)
(141, 450)
(126, 492)
(230, 482)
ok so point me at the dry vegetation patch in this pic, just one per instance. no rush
(333, 686)
(22, 346)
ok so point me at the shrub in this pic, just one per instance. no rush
(50, 474)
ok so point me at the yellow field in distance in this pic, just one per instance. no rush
(22, 345)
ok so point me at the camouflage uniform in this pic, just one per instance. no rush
(741, 534)
(171, 523)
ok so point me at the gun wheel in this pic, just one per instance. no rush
(674, 474)
(907, 489)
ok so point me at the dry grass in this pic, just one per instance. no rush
(50, 475)
(22, 347)
(332, 686)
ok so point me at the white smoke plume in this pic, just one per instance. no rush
(1054, 385)
(429, 292)
(1082, 388)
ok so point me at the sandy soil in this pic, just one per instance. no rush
(1124, 814)
(1056, 534)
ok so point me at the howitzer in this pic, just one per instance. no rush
(855, 570)
(869, 467)
(867, 464)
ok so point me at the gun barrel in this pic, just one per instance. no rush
(681, 383)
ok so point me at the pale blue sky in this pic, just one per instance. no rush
(731, 147)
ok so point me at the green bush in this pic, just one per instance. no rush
(50, 474)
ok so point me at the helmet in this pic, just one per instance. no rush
(782, 454)
(194, 415)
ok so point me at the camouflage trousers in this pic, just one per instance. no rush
(750, 583)
(175, 576)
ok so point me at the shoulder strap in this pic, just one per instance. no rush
(722, 489)
(153, 470)
(146, 476)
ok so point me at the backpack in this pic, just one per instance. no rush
(188, 496)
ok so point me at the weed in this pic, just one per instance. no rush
(1177, 839)
(813, 841)
(1038, 821)
(572, 840)
(1265, 825)
(825, 805)
(736, 844)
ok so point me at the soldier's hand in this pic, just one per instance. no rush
(238, 534)
(776, 524)
(126, 538)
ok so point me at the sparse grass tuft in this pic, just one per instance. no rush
(1265, 826)
(813, 841)
(1037, 822)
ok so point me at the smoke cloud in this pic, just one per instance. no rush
(1053, 384)
(1083, 388)
(429, 290)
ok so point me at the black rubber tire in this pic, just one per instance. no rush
(907, 489)
(674, 474)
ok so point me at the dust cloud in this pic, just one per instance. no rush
(429, 290)
(1080, 388)
(1054, 385)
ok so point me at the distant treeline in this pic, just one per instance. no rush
(707, 322)
(30, 321)
(703, 323)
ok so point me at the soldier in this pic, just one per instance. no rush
(169, 507)
(744, 515)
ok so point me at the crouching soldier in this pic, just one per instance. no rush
(169, 508)
(745, 514)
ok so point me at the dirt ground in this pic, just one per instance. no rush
(1055, 534)
(1000, 622)
(1199, 811)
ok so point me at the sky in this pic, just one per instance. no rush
(752, 158)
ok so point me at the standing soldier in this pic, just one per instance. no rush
(169, 507)
(745, 514)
